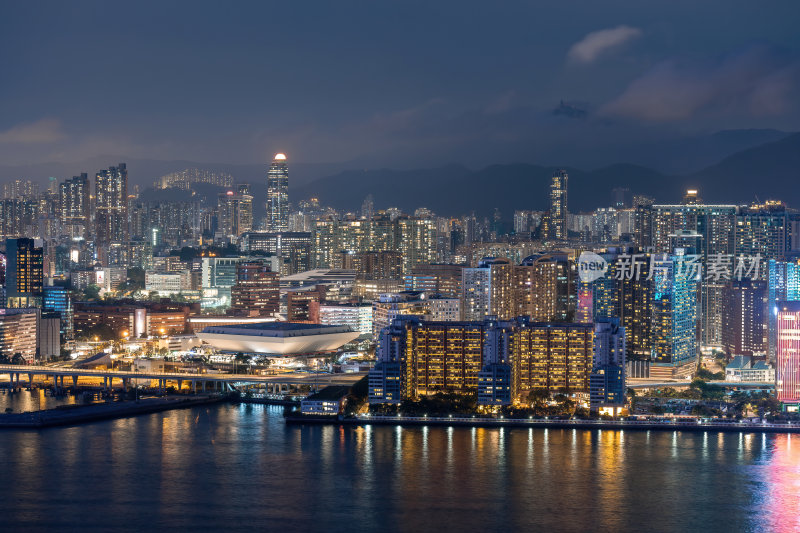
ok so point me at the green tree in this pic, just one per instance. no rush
(92, 292)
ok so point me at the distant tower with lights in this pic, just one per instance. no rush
(558, 205)
(278, 195)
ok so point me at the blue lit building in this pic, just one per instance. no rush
(58, 300)
(599, 299)
(607, 380)
(674, 308)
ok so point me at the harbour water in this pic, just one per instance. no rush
(240, 467)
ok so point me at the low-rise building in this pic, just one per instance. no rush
(358, 317)
(329, 401)
(167, 283)
(744, 368)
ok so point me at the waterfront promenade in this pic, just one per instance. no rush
(665, 425)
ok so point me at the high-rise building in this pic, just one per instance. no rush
(292, 247)
(257, 289)
(302, 304)
(715, 226)
(763, 230)
(655, 298)
(24, 273)
(558, 205)
(607, 380)
(111, 205)
(787, 369)
(57, 300)
(20, 189)
(234, 214)
(278, 195)
(184, 179)
(19, 333)
(674, 315)
(544, 288)
(74, 207)
(415, 238)
(444, 279)
(744, 326)
(499, 360)
(488, 289)
(389, 306)
(368, 208)
(783, 284)
(373, 265)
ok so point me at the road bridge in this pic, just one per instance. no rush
(196, 381)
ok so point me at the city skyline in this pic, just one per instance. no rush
(400, 266)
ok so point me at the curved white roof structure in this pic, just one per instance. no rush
(278, 338)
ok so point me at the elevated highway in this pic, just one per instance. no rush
(197, 381)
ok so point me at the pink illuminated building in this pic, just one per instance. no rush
(788, 354)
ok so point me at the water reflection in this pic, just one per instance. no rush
(216, 468)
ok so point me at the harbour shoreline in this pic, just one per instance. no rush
(733, 427)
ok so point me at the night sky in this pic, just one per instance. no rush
(388, 83)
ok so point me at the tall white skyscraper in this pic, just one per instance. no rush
(558, 205)
(278, 195)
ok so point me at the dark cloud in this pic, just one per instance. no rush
(383, 83)
(757, 82)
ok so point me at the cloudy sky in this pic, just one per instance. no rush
(388, 83)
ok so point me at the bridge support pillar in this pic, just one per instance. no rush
(204, 385)
(30, 381)
(75, 382)
(180, 385)
(194, 386)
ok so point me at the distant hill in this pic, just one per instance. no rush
(767, 171)
(455, 190)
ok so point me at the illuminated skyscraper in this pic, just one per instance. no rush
(234, 213)
(24, 273)
(787, 370)
(500, 360)
(558, 205)
(488, 289)
(674, 315)
(256, 290)
(607, 380)
(783, 284)
(544, 288)
(714, 226)
(74, 196)
(743, 317)
(111, 205)
(278, 195)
